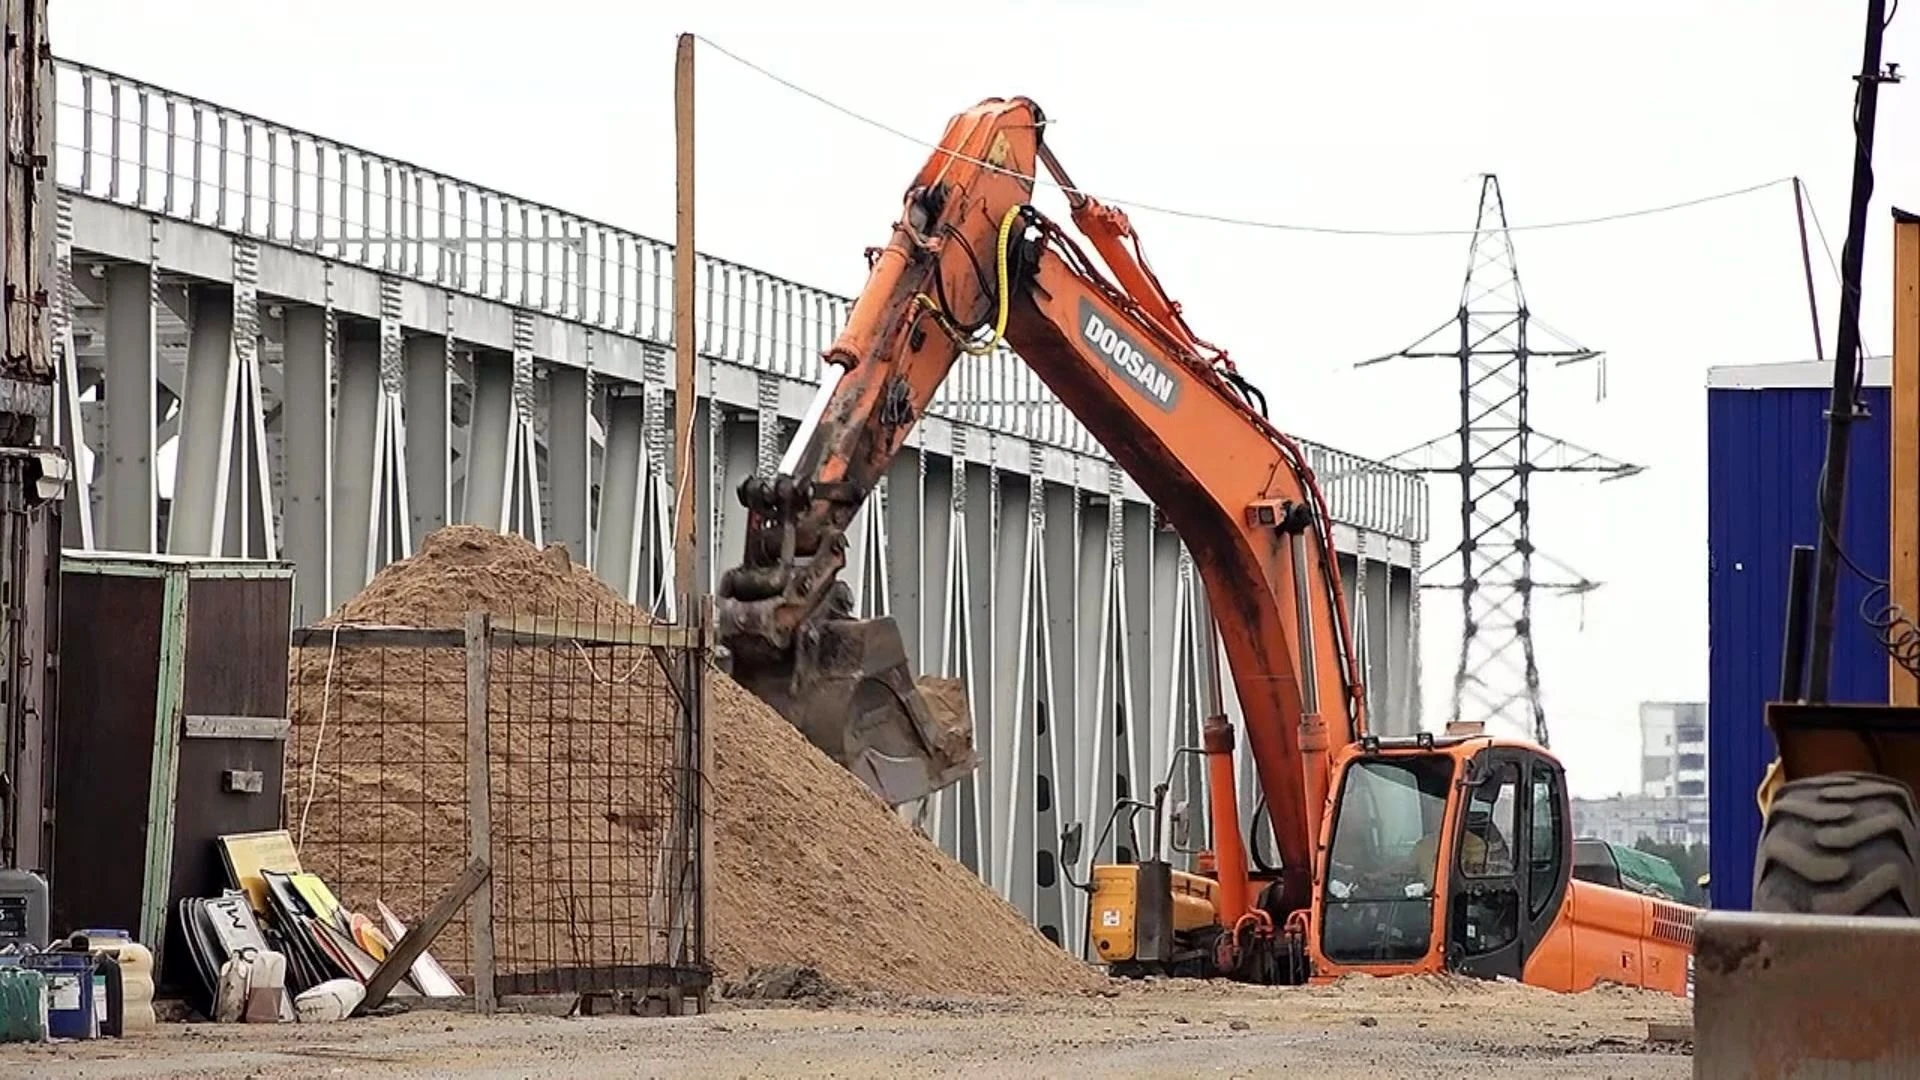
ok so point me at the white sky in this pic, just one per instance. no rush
(1260, 111)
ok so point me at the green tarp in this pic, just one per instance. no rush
(1650, 871)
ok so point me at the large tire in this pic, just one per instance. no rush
(1840, 844)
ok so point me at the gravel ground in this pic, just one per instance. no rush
(1372, 1029)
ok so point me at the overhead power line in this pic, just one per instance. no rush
(1228, 219)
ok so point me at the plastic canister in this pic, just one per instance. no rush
(109, 1000)
(332, 1000)
(23, 1003)
(69, 993)
(230, 992)
(23, 909)
(136, 977)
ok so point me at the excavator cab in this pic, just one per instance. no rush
(1443, 853)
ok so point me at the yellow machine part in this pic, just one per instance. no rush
(1815, 740)
(1115, 897)
(1769, 784)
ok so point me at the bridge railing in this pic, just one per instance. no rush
(139, 145)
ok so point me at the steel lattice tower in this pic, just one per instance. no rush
(1496, 452)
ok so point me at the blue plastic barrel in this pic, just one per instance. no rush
(69, 992)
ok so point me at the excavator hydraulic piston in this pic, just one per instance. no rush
(1223, 805)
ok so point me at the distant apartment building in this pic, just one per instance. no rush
(1673, 749)
(1671, 805)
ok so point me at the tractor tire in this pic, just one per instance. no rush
(1840, 844)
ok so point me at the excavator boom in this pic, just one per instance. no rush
(971, 255)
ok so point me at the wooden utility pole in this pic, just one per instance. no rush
(685, 521)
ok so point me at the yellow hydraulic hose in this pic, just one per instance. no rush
(982, 348)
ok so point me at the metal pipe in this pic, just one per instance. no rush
(1841, 414)
(1793, 655)
(1303, 623)
(1806, 266)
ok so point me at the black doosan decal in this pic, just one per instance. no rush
(1126, 356)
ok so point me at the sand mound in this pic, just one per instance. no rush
(810, 870)
(816, 871)
(465, 566)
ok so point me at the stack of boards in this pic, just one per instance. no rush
(275, 905)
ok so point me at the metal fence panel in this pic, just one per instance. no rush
(589, 808)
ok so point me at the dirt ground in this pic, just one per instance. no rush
(1371, 1029)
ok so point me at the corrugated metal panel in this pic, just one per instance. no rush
(1764, 451)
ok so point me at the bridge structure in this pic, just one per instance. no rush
(277, 345)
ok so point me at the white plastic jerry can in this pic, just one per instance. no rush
(230, 996)
(332, 1000)
(267, 989)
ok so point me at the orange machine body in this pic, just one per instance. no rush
(1487, 886)
(971, 265)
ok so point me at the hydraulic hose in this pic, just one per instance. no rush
(1003, 289)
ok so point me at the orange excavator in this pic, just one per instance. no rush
(1449, 852)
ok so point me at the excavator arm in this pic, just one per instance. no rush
(970, 262)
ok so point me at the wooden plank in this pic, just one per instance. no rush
(237, 727)
(416, 940)
(519, 629)
(1903, 556)
(480, 808)
(163, 793)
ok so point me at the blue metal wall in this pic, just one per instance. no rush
(1764, 450)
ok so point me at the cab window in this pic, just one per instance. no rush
(1487, 907)
(1486, 846)
(1380, 884)
(1543, 863)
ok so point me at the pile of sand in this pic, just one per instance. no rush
(810, 868)
(815, 870)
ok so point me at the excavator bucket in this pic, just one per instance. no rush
(847, 687)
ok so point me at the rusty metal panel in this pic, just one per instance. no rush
(1804, 997)
(237, 629)
(209, 805)
(234, 665)
(109, 691)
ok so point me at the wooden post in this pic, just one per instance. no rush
(480, 806)
(685, 521)
(1903, 553)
